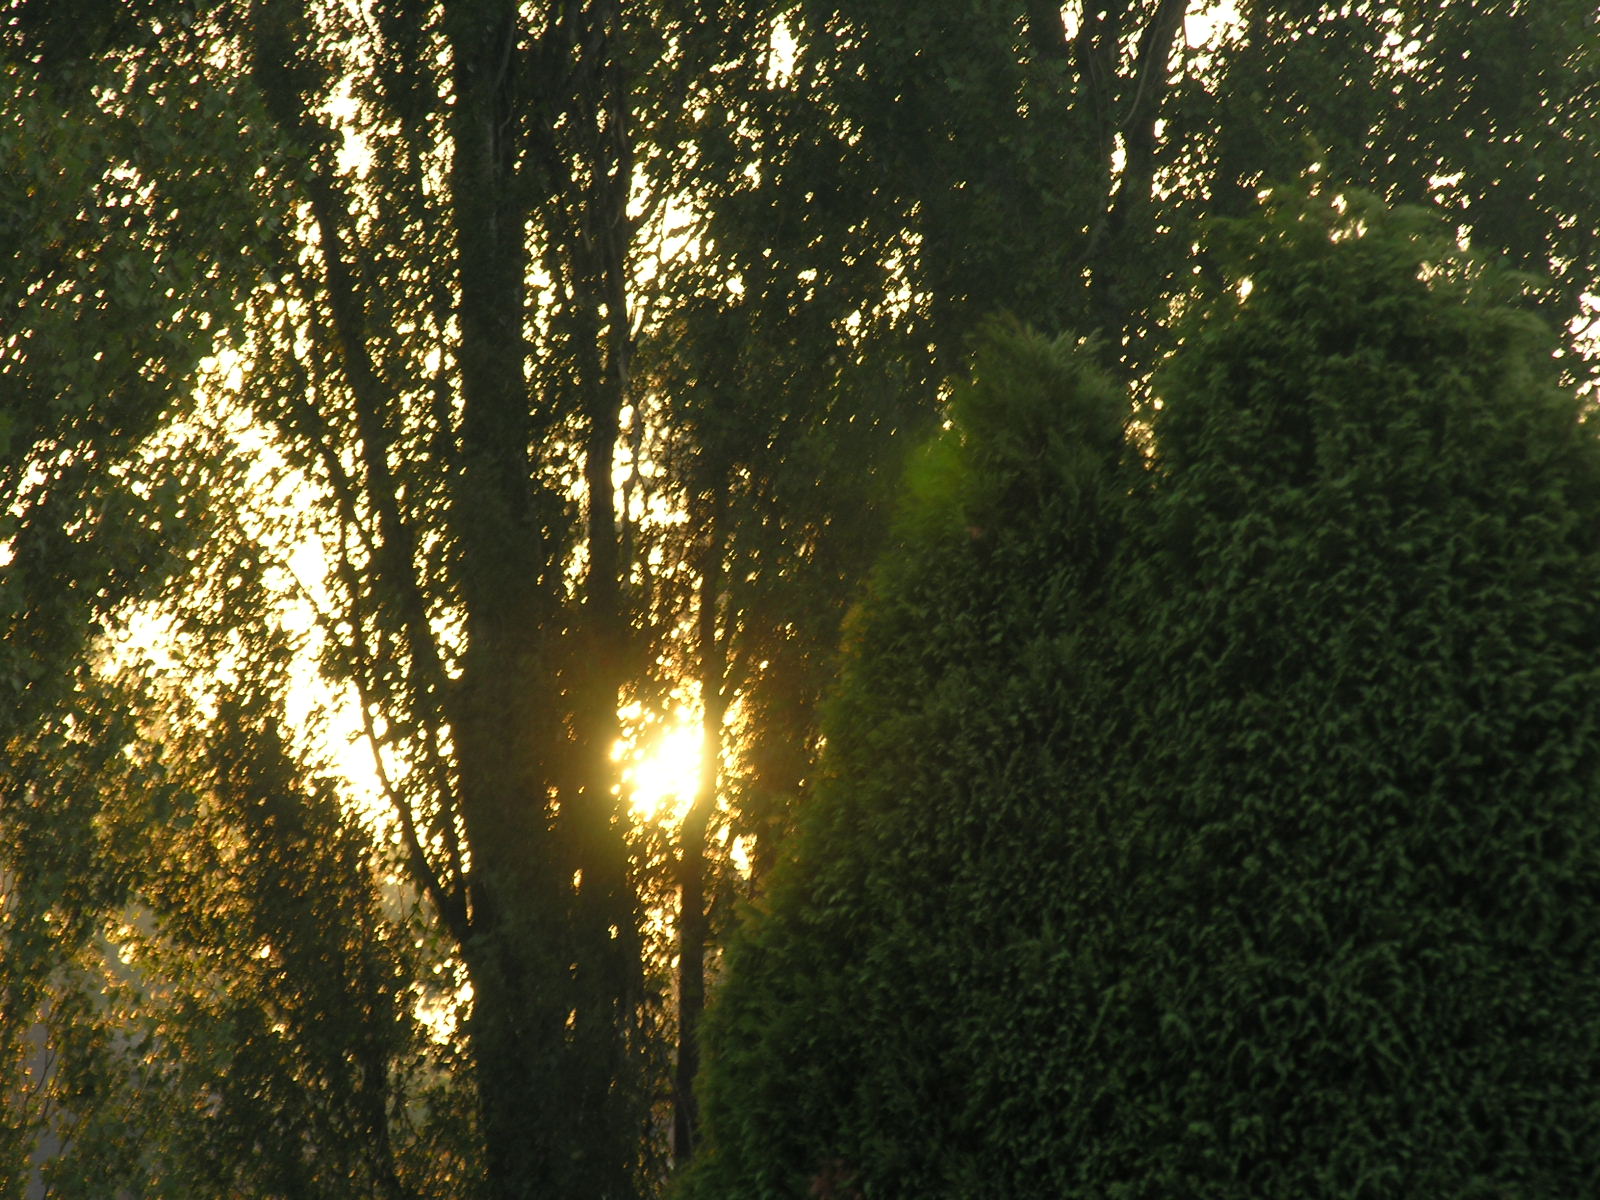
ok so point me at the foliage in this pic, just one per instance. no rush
(233, 1011)
(947, 728)
(122, 255)
(924, 165)
(591, 334)
(274, 986)
(208, 964)
(872, 179)
(1220, 825)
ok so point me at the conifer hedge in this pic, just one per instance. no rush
(1213, 800)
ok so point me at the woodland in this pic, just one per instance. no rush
(491, 384)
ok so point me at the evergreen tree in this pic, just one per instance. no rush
(1222, 827)
(877, 177)
(837, 1039)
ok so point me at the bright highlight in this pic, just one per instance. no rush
(662, 772)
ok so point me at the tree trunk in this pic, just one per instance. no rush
(692, 909)
(550, 1026)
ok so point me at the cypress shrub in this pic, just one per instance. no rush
(1218, 820)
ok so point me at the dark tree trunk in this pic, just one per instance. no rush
(693, 922)
(553, 945)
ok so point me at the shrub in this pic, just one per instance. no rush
(1220, 822)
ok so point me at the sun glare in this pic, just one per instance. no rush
(661, 771)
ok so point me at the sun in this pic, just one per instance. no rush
(661, 771)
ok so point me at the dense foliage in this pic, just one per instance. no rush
(1213, 819)
(521, 366)
(1057, 160)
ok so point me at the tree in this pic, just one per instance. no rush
(450, 360)
(238, 1017)
(122, 254)
(463, 328)
(1214, 817)
(874, 179)
(926, 165)
(931, 696)
(204, 969)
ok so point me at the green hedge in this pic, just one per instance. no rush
(1211, 809)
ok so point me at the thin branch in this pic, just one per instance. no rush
(394, 557)
(315, 428)
(1155, 51)
(448, 901)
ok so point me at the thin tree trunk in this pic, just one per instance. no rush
(692, 909)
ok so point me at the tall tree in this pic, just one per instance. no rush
(1208, 812)
(451, 360)
(1053, 160)
(452, 357)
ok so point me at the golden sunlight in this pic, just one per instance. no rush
(661, 768)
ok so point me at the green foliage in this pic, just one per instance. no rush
(1219, 822)
(877, 178)
(209, 989)
(123, 251)
(934, 743)
(931, 163)
(458, 326)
